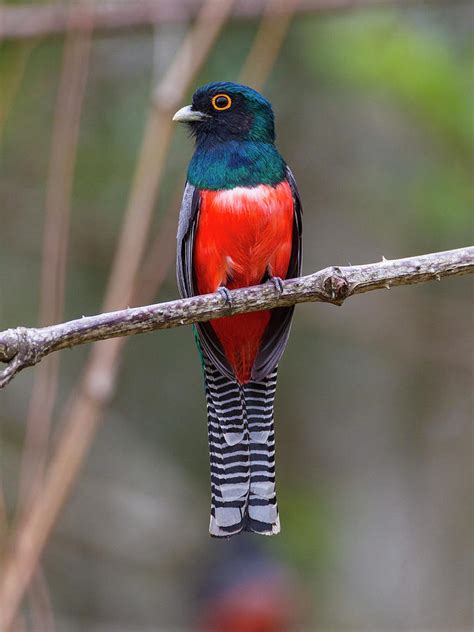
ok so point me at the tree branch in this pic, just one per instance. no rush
(23, 347)
(31, 20)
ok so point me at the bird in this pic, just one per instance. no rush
(240, 224)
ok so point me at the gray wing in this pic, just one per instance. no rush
(278, 329)
(186, 227)
(188, 218)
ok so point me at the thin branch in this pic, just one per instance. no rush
(30, 20)
(23, 347)
(69, 102)
(268, 41)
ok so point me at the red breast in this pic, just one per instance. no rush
(242, 235)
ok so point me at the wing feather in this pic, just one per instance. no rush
(188, 219)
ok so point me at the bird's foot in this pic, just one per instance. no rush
(277, 282)
(224, 292)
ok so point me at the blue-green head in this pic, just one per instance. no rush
(235, 138)
(227, 111)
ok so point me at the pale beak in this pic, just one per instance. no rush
(188, 115)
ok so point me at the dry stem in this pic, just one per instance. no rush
(55, 245)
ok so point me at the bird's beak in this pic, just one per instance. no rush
(188, 115)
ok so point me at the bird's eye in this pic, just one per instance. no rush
(221, 102)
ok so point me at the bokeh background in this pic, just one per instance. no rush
(373, 413)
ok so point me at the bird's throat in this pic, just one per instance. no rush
(219, 165)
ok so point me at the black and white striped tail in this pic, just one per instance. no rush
(242, 454)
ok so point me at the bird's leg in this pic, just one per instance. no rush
(276, 281)
(224, 292)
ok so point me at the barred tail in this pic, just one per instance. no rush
(229, 453)
(262, 504)
(242, 454)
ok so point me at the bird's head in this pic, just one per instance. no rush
(228, 111)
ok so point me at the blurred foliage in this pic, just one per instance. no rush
(408, 62)
(308, 540)
(412, 65)
(13, 59)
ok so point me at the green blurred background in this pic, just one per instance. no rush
(373, 412)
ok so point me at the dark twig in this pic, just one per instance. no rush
(23, 347)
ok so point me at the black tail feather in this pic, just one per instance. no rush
(242, 454)
(262, 506)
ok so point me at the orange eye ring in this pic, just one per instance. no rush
(220, 108)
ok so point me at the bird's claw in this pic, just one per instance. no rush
(224, 292)
(278, 283)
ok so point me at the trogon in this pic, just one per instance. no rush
(239, 225)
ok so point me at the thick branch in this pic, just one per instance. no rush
(30, 20)
(22, 347)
